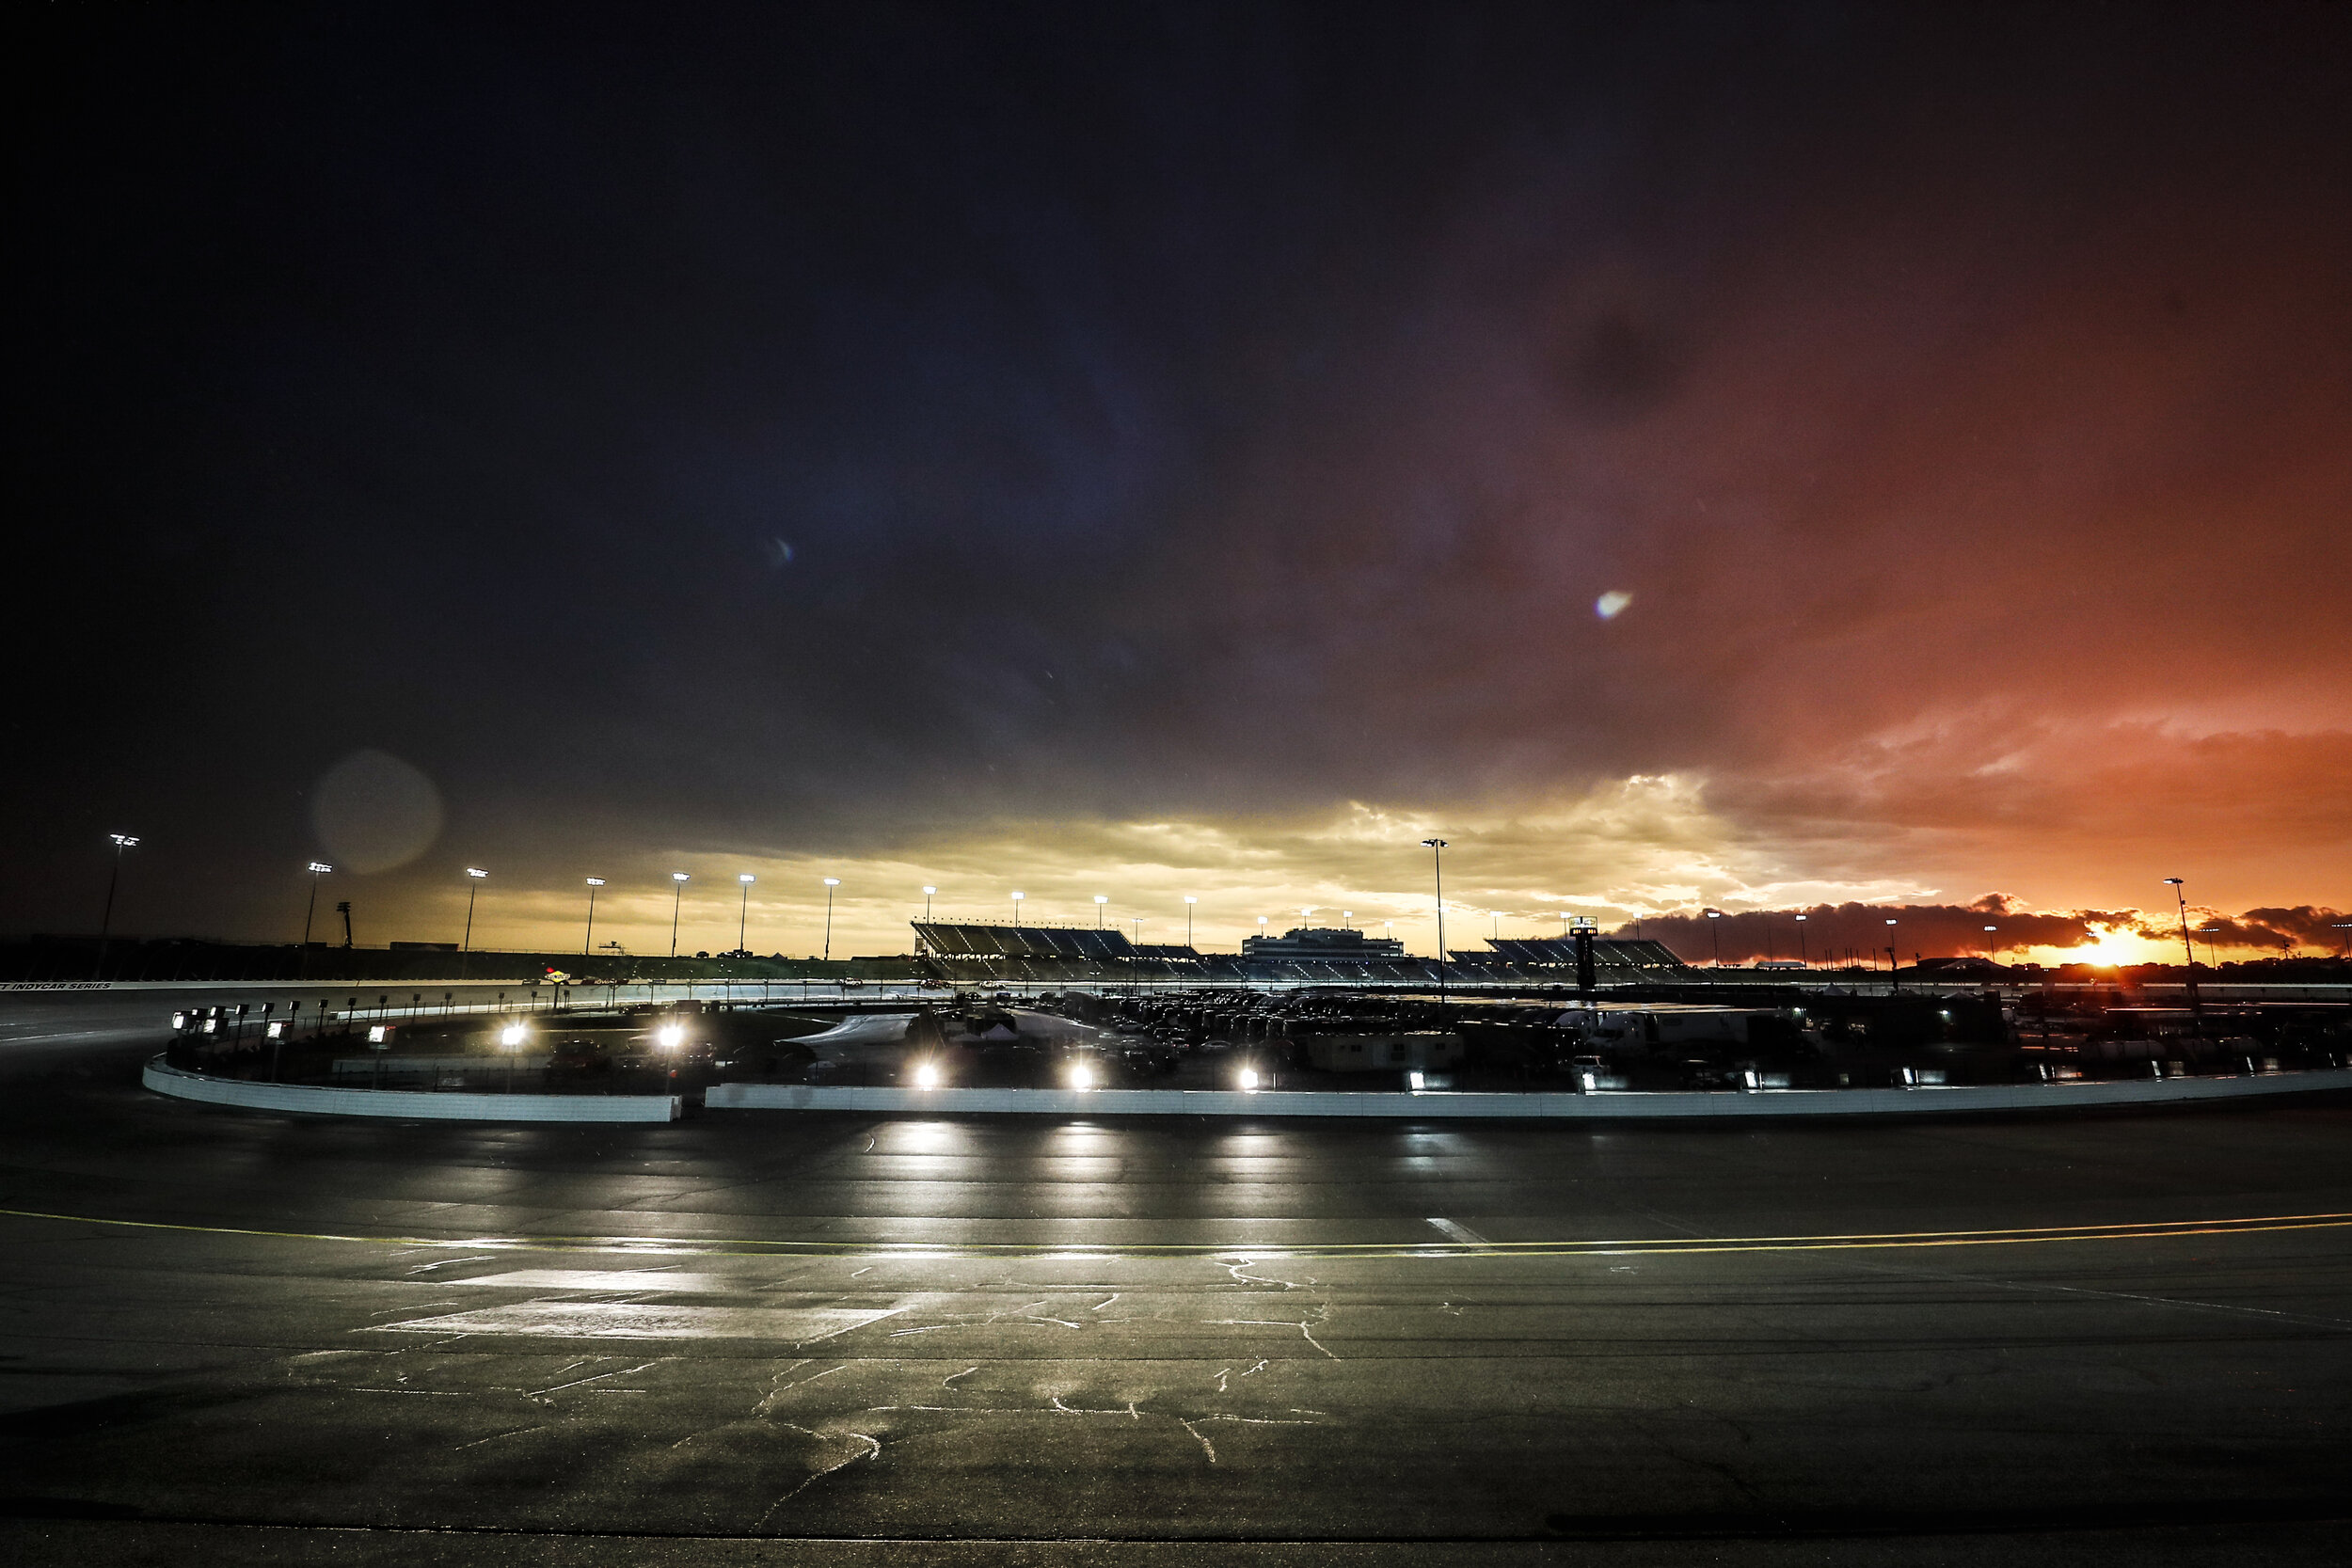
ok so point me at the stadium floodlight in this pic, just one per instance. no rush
(586, 942)
(318, 869)
(1017, 897)
(926, 1076)
(107, 924)
(1189, 902)
(1714, 928)
(1099, 899)
(830, 882)
(928, 890)
(677, 893)
(512, 1036)
(1248, 1079)
(743, 912)
(1436, 855)
(1081, 1077)
(473, 885)
(2180, 895)
(670, 1036)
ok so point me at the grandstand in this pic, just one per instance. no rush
(1074, 955)
(1616, 960)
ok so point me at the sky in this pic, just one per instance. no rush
(1813, 457)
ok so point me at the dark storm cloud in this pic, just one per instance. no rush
(815, 426)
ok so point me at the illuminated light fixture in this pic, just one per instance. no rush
(678, 894)
(830, 882)
(928, 890)
(1082, 1077)
(377, 1034)
(1248, 1079)
(1189, 902)
(1416, 1081)
(1612, 604)
(926, 1076)
(1099, 899)
(276, 1030)
(512, 1035)
(476, 871)
(179, 1020)
(670, 1036)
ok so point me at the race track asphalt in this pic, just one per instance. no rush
(762, 1338)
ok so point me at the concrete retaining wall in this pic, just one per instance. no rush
(407, 1104)
(1605, 1107)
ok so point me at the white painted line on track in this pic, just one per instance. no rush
(600, 1279)
(601, 1320)
(1459, 1232)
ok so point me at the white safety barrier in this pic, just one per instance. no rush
(407, 1104)
(1606, 1105)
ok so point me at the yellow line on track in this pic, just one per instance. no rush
(691, 1247)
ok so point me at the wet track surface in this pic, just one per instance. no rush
(2109, 1339)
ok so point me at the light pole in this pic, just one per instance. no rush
(2208, 933)
(743, 915)
(830, 882)
(1189, 902)
(1099, 899)
(2180, 897)
(928, 890)
(1017, 897)
(1715, 931)
(2344, 945)
(1347, 920)
(107, 921)
(318, 869)
(1804, 956)
(473, 886)
(1437, 863)
(1989, 948)
(1892, 979)
(464, 943)
(588, 940)
(677, 895)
